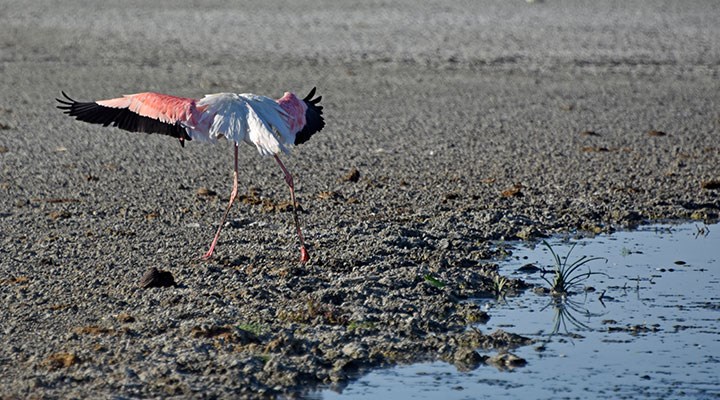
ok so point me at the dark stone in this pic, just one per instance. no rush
(154, 277)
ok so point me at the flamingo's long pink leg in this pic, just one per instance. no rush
(233, 194)
(304, 257)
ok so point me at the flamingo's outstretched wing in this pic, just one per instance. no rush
(142, 112)
(314, 121)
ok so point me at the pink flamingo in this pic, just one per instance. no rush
(270, 125)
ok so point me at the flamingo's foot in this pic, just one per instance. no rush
(304, 257)
(207, 255)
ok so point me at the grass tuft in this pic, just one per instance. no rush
(499, 285)
(566, 277)
(434, 281)
(255, 329)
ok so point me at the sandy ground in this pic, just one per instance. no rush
(469, 122)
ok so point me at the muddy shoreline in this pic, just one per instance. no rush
(480, 133)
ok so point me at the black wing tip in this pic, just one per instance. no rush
(313, 102)
(311, 94)
(65, 103)
(314, 121)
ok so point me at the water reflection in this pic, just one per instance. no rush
(567, 311)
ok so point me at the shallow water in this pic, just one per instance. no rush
(656, 332)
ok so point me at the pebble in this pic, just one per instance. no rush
(154, 277)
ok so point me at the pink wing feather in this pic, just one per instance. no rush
(142, 112)
(162, 107)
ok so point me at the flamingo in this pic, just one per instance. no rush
(271, 125)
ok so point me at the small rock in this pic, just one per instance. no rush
(269, 206)
(589, 133)
(352, 176)
(285, 343)
(703, 215)
(354, 350)
(201, 331)
(528, 269)
(55, 215)
(154, 277)
(514, 191)
(226, 333)
(444, 244)
(125, 318)
(329, 195)
(507, 339)
(541, 290)
(656, 133)
(92, 330)
(203, 191)
(466, 263)
(61, 360)
(15, 280)
(467, 359)
(713, 184)
(595, 149)
(476, 317)
(528, 233)
(251, 198)
(626, 215)
(506, 360)
(451, 196)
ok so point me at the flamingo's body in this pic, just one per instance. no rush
(270, 125)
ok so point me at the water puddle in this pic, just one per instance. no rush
(651, 327)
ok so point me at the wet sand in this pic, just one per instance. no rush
(468, 124)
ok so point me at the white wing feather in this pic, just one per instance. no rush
(270, 112)
(257, 120)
